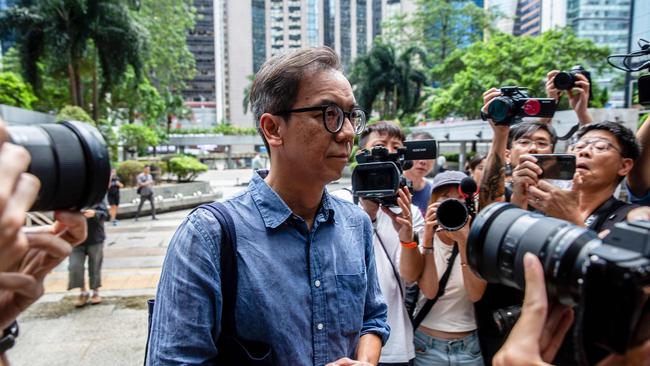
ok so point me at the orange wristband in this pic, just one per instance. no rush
(410, 245)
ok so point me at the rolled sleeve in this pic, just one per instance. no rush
(186, 318)
(375, 313)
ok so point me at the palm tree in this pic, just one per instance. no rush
(62, 30)
(389, 78)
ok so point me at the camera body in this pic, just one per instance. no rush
(378, 175)
(607, 280)
(566, 80)
(515, 103)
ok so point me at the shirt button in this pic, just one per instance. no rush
(317, 283)
(320, 326)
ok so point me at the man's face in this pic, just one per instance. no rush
(392, 143)
(307, 146)
(146, 170)
(599, 161)
(539, 142)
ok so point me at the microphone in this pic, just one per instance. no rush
(468, 187)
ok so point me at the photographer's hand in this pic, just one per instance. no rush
(556, 202)
(526, 174)
(492, 185)
(551, 90)
(403, 223)
(18, 191)
(48, 247)
(538, 334)
(579, 99)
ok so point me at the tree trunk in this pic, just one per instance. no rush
(169, 122)
(95, 91)
(80, 92)
(72, 84)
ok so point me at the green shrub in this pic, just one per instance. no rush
(451, 157)
(186, 168)
(128, 170)
(74, 113)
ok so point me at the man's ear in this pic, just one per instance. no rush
(625, 167)
(272, 128)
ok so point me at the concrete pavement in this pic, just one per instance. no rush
(54, 332)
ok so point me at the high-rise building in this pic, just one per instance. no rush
(250, 31)
(528, 17)
(607, 23)
(200, 42)
(8, 41)
(640, 22)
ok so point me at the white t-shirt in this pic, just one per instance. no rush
(399, 347)
(453, 312)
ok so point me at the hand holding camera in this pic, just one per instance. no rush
(577, 84)
(513, 103)
(402, 222)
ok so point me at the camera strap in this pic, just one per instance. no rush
(441, 290)
(392, 265)
(568, 135)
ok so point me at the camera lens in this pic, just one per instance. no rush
(501, 234)
(452, 214)
(564, 81)
(500, 109)
(71, 161)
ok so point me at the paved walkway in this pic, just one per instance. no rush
(54, 332)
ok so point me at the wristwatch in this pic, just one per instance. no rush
(9, 336)
(426, 250)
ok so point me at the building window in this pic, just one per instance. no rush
(376, 18)
(362, 27)
(259, 34)
(329, 19)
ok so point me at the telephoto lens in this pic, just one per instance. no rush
(502, 233)
(452, 214)
(70, 159)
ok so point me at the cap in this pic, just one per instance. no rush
(446, 178)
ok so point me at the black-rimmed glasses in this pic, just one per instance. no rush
(600, 145)
(334, 117)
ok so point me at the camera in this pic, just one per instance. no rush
(70, 159)
(514, 103)
(452, 214)
(378, 175)
(607, 280)
(566, 80)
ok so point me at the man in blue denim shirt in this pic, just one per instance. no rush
(306, 269)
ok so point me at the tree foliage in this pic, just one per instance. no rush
(97, 37)
(389, 79)
(15, 92)
(439, 27)
(507, 60)
(137, 137)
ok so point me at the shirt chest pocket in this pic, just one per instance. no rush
(351, 295)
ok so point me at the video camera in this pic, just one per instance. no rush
(607, 280)
(515, 103)
(71, 161)
(378, 176)
(636, 61)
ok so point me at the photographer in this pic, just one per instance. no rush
(389, 230)
(536, 337)
(638, 180)
(27, 257)
(418, 173)
(605, 153)
(448, 330)
(508, 144)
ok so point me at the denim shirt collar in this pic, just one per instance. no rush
(272, 208)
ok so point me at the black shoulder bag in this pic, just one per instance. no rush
(232, 350)
(419, 317)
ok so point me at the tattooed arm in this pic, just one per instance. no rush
(492, 185)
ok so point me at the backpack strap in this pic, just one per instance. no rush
(228, 262)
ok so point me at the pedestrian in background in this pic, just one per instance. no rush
(93, 248)
(114, 186)
(145, 190)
